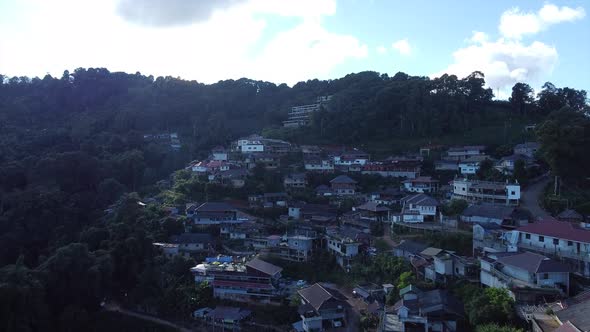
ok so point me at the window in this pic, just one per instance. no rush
(545, 276)
(463, 189)
(527, 236)
(556, 241)
(541, 238)
(570, 243)
(513, 193)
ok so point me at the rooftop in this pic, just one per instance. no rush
(488, 211)
(577, 314)
(533, 263)
(411, 246)
(420, 199)
(215, 207)
(264, 267)
(315, 295)
(557, 229)
(343, 179)
(191, 238)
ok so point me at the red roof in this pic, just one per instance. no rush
(557, 229)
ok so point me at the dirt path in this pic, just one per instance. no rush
(530, 197)
(116, 308)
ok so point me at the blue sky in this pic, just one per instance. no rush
(289, 41)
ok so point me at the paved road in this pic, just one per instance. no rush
(529, 198)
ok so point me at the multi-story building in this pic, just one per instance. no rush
(342, 247)
(215, 213)
(463, 152)
(528, 276)
(416, 209)
(343, 185)
(394, 168)
(421, 184)
(475, 191)
(255, 281)
(301, 115)
(295, 181)
(319, 165)
(320, 309)
(565, 241)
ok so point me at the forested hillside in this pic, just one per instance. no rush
(70, 147)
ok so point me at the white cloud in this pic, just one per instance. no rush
(381, 49)
(504, 62)
(229, 40)
(515, 24)
(509, 59)
(403, 47)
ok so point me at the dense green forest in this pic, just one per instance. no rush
(71, 147)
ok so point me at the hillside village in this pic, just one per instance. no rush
(449, 216)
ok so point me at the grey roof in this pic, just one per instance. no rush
(420, 199)
(570, 214)
(411, 246)
(316, 295)
(264, 267)
(578, 314)
(372, 206)
(488, 211)
(515, 157)
(187, 238)
(215, 207)
(532, 262)
(431, 251)
(343, 179)
(296, 176)
(431, 300)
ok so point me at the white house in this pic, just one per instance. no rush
(567, 241)
(421, 184)
(471, 165)
(342, 247)
(521, 272)
(219, 153)
(417, 208)
(319, 165)
(475, 191)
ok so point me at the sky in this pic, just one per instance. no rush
(287, 41)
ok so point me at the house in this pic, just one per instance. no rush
(446, 265)
(219, 153)
(255, 281)
(422, 184)
(409, 169)
(276, 146)
(373, 212)
(528, 276)
(470, 165)
(192, 242)
(320, 309)
(506, 164)
(348, 158)
(319, 165)
(225, 318)
(343, 185)
(417, 208)
(463, 152)
(565, 241)
(295, 181)
(570, 215)
(528, 149)
(168, 249)
(369, 292)
(215, 213)
(484, 213)
(269, 161)
(342, 247)
(315, 213)
(474, 191)
(435, 310)
(300, 115)
(491, 237)
(323, 191)
(387, 196)
(408, 248)
(250, 144)
(235, 177)
(446, 165)
(311, 151)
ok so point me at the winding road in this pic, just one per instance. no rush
(529, 198)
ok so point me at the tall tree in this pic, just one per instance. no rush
(522, 97)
